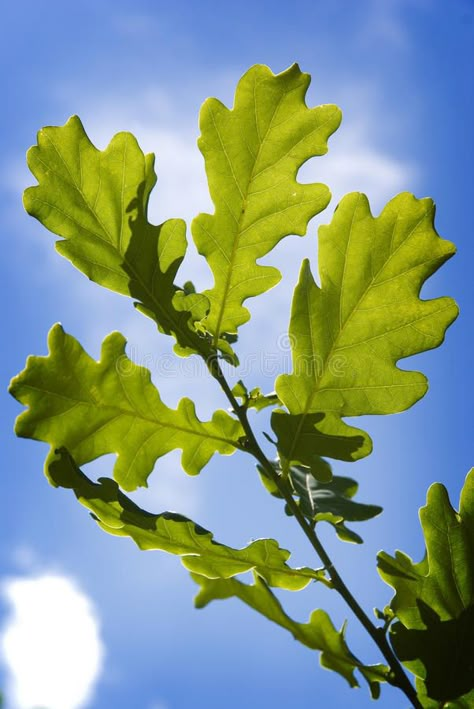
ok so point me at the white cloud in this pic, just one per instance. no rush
(386, 23)
(50, 644)
(170, 489)
(355, 164)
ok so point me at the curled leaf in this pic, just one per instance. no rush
(173, 533)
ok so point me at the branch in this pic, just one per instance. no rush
(397, 676)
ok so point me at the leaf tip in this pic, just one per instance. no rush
(27, 198)
(436, 493)
(74, 120)
(306, 275)
(55, 336)
(113, 345)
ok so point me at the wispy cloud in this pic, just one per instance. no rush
(136, 25)
(383, 24)
(355, 163)
(386, 24)
(50, 644)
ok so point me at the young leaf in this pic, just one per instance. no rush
(111, 406)
(304, 438)
(349, 333)
(259, 401)
(252, 154)
(97, 202)
(318, 634)
(254, 399)
(173, 533)
(331, 502)
(434, 599)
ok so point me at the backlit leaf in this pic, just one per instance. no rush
(252, 154)
(97, 202)
(434, 599)
(254, 399)
(464, 702)
(173, 533)
(318, 634)
(349, 333)
(111, 406)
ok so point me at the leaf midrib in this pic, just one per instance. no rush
(446, 531)
(248, 194)
(133, 414)
(244, 197)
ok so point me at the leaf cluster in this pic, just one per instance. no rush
(348, 330)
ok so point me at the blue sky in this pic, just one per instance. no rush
(402, 73)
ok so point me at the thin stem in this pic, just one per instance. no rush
(398, 677)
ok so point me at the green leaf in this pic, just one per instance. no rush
(318, 634)
(97, 202)
(258, 400)
(254, 399)
(331, 501)
(111, 406)
(252, 154)
(349, 333)
(464, 702)
(305, 438)
(173, 533)
(434, 599)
